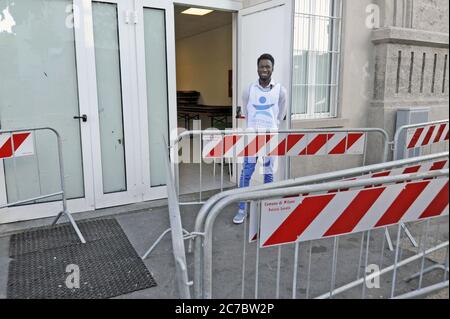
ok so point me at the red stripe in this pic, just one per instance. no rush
(439, 133)
(352, 138)
(229, 142)
(340, 147)
(217, 150)
(381, 174)
(6, 149)
(299, 219)
(438, 204)
(280, 149)
(428, 136)
(317, 143)
(293, 139)
(411, 169)
(254, 146)
(402, 203)
(415, 137)
(438, 165)
(355, 211)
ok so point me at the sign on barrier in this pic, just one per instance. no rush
(302, 218)
(23, 144)
(283, 144)
(422, 167)
(426, 135)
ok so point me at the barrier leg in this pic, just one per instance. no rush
(75, 226)
(388, 239)
(408, 233)
(308, 277)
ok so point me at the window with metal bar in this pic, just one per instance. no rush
(317, 32)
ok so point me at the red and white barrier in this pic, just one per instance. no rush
(23, 144)
(422, 167)
(283, 144)
(303, 218)
(426, 135)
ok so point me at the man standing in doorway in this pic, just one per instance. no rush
(264, 107)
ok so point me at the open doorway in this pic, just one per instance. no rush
(204, 60)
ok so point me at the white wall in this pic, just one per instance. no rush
(203, 62)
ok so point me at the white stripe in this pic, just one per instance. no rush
(311, 137)
(271, 221)
(276, 140)
(444, 133)
(299, 146)
(424, 199)
(422, 137)
(433, 135)
(358, 146)
(335, 140)
(3, 138)
(378, 209)
(27, 146)
(237, 147)
(328, 215)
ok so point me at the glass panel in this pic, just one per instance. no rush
(109, 94)
(156, 71)
(38, 87)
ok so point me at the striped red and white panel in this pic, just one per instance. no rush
(426, 135)
(296, 144)
(416, 168)
(23, 144)
(312, 217)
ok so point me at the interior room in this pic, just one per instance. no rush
(204, 86)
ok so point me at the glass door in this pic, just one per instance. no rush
(155, 49)
(115, 164)
(40, 86)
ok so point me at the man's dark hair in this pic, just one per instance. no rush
(266, 56)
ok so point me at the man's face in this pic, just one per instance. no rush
(265, 69)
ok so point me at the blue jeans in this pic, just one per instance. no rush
(247, 172)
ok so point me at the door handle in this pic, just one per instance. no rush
(82, 117)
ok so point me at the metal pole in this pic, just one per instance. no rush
(423, 291)
(308, 278)
(278, 272)
(382, 248)
(201, 160)
(424, 244)
(333, 265)
(294, 280)
(244, 257)
(381, 272)
(155, 243)
(221, 166)
(257, 257)
(360, 255)
(365, 265)
(397, 246)
(446, 265)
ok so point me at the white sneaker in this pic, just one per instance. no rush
(239, 217)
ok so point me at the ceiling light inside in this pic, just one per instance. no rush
(197, 11)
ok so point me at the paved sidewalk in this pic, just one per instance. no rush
(143, 227)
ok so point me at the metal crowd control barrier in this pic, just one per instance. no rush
(21, 142)
(234, 144)
(419, 136)
(178, 235)
(213, 207)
